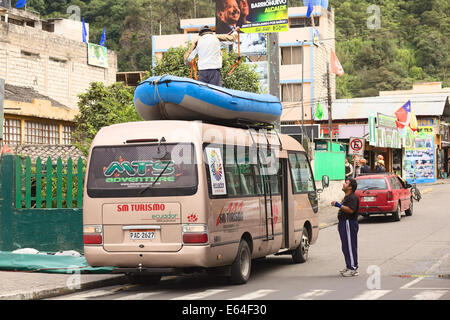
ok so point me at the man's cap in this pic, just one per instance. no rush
(204, 29)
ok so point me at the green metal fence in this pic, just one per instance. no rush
(46, 186)
(41, 204)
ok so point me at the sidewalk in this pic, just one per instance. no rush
(17, 285)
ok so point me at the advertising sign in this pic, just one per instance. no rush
(218, 186)
(255, 16)
(419, 161)
(97, 55)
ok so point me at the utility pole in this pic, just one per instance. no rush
(330, 121)
(303, 105)
(274, 66)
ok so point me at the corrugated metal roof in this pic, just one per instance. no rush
(359, 108)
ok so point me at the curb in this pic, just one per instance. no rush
(55, 292)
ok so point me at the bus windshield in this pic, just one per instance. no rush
(142, 171)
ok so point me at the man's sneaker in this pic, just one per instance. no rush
(343, 270)
(350, 273)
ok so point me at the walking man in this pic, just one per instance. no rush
(348, 227)
(207, 47)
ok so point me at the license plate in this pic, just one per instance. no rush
(368, 199)
(142, 234)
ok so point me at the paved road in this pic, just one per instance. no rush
(403, 260)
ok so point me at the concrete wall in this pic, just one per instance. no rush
(332, 193)
(53, 65)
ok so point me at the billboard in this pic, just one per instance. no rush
(97, 55)
(252, 16)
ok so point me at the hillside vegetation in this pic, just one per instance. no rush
(411, 45)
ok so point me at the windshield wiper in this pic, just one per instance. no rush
(370, 188)
(159, 176)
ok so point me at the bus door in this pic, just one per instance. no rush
(285, 203)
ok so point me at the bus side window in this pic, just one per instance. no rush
(273, 171)
(231, 172)
(302, 179)
(245, 172)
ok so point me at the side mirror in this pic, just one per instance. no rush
(325, 181)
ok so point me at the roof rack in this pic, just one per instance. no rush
(242, 123)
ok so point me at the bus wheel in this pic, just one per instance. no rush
(136, 278)
(300, 254)
(241, 267)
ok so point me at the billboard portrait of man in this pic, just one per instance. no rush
(227, 16)
(252, 16)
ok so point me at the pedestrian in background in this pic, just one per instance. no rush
(348, 169)
(364, 167)
(379, 168)
(348, 227)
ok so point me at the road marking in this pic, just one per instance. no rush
(433, 267)
(426, 190)
(312, 294)
(139, 296)
(371, 295)
(429, 295)
(87, 295)
(200, 295)
(254, 295)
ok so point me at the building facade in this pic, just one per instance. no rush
(44, 67)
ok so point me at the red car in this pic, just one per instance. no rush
(385, 193)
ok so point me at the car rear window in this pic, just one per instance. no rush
(372, 184)
(142, 171)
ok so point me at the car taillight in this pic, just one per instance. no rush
(390, 196)
(195, 234)
(92, 234)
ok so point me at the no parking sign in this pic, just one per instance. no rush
(356, 146)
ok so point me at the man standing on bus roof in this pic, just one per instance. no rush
(207, 47)
(348, 227)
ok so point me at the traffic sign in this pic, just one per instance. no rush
(356, 146)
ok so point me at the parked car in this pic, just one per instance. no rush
(385, 193)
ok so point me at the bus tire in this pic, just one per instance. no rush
(300, 254)
(242, 265)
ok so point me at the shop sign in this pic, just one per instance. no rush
(386, 121)
(387, 138)
(372, 129)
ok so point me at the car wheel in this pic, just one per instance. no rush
(300, 254)
(409, 211)
(397, 215)
(241, 267)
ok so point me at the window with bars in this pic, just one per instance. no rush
(291, 55)
(302, 22)
(41, 133)
(291, 92)
(67, 134)
(11, 132)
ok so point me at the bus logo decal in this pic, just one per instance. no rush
(233, 213)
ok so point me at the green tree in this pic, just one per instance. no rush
(102, 106)
(244, 77)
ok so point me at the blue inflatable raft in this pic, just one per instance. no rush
(176, 98)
